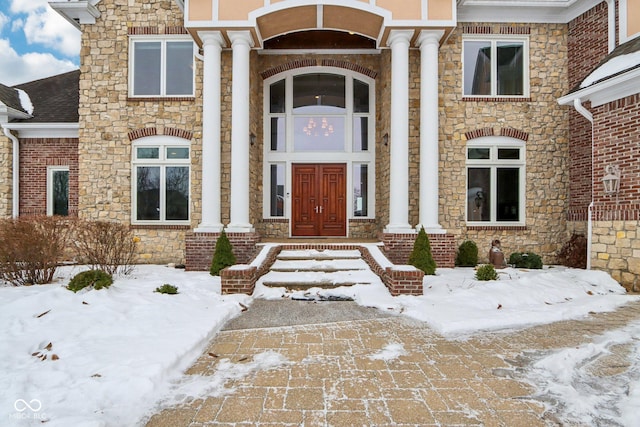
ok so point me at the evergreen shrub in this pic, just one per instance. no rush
(223, 255)
(96, 278)
(486, 272)
(167, 289)
(467, 255)
(421, 255)
(526, 260)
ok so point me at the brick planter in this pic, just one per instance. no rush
(199, 248)
(398, 247)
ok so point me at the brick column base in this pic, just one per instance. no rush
(200, 247)
(398, 247)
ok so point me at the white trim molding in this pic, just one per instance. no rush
(44, 130)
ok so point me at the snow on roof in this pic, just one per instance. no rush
(25, 101)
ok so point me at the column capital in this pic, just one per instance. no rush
(427, 37)
(240, 37)
(398, 36)
(212, 37)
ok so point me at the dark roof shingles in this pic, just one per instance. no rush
(9, 97)
(55, 99)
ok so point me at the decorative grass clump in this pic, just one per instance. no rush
(98, 279)
(486, 272)
(223, 255)
(467, 255)
(526, 260)
(167, 289)
(421, 255)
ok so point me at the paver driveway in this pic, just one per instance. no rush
(332, 375)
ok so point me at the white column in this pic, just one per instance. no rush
(429, 42)
(241, 43)
(399, 41)
(212, 43)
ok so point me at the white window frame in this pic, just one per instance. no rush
(493, 143)
(133, 39)
(348, 156)
(50, 171)
(162, 142)
(494, 40)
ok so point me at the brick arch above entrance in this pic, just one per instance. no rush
(302, 63)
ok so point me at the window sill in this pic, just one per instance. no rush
(496, 99)
(161, 99)
(275, 220)
(160, 227)
(360, 219)
(496, 227)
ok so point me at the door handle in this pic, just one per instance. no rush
(319, 209)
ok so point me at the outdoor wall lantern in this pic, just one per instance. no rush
(611, 180)
(252, 138)
(385, 139)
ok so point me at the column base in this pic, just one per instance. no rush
(399, 229)
(208, 228)
(239, 228)
(431, 228)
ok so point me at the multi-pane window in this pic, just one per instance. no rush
(325, 116)
(495, 180)
(161, 169)
(496, 67)
(58, 190)
(161, 67)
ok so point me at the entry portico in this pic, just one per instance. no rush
(306, 30)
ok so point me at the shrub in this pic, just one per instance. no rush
(467, 255)
(486, 272)
(96, 278)
(167, 289)
(222, 256)
(574, 252)
(525, 260)
(107, 246)
(32, 247)
(421, 255)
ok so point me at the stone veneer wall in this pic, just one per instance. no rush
(107, 115)
(6, 176)
(540, 119)
(36, 155)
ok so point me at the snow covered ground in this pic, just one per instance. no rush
(110, 357)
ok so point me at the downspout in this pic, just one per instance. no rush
(577, 104)
(16, 172)
(612, 23)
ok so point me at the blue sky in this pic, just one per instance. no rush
(35, 42)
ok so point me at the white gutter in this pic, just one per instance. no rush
(15, 196)
(611, 24)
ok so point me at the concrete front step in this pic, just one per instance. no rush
(325, 265)
(305, 269)
(313, 254)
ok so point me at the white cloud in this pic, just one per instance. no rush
(45, 26)
(17, 24)
(31, 66)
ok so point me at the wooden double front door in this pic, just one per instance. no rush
(319, 200)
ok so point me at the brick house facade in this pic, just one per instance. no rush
(413, 137)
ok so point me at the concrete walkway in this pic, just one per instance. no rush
(336, 374)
